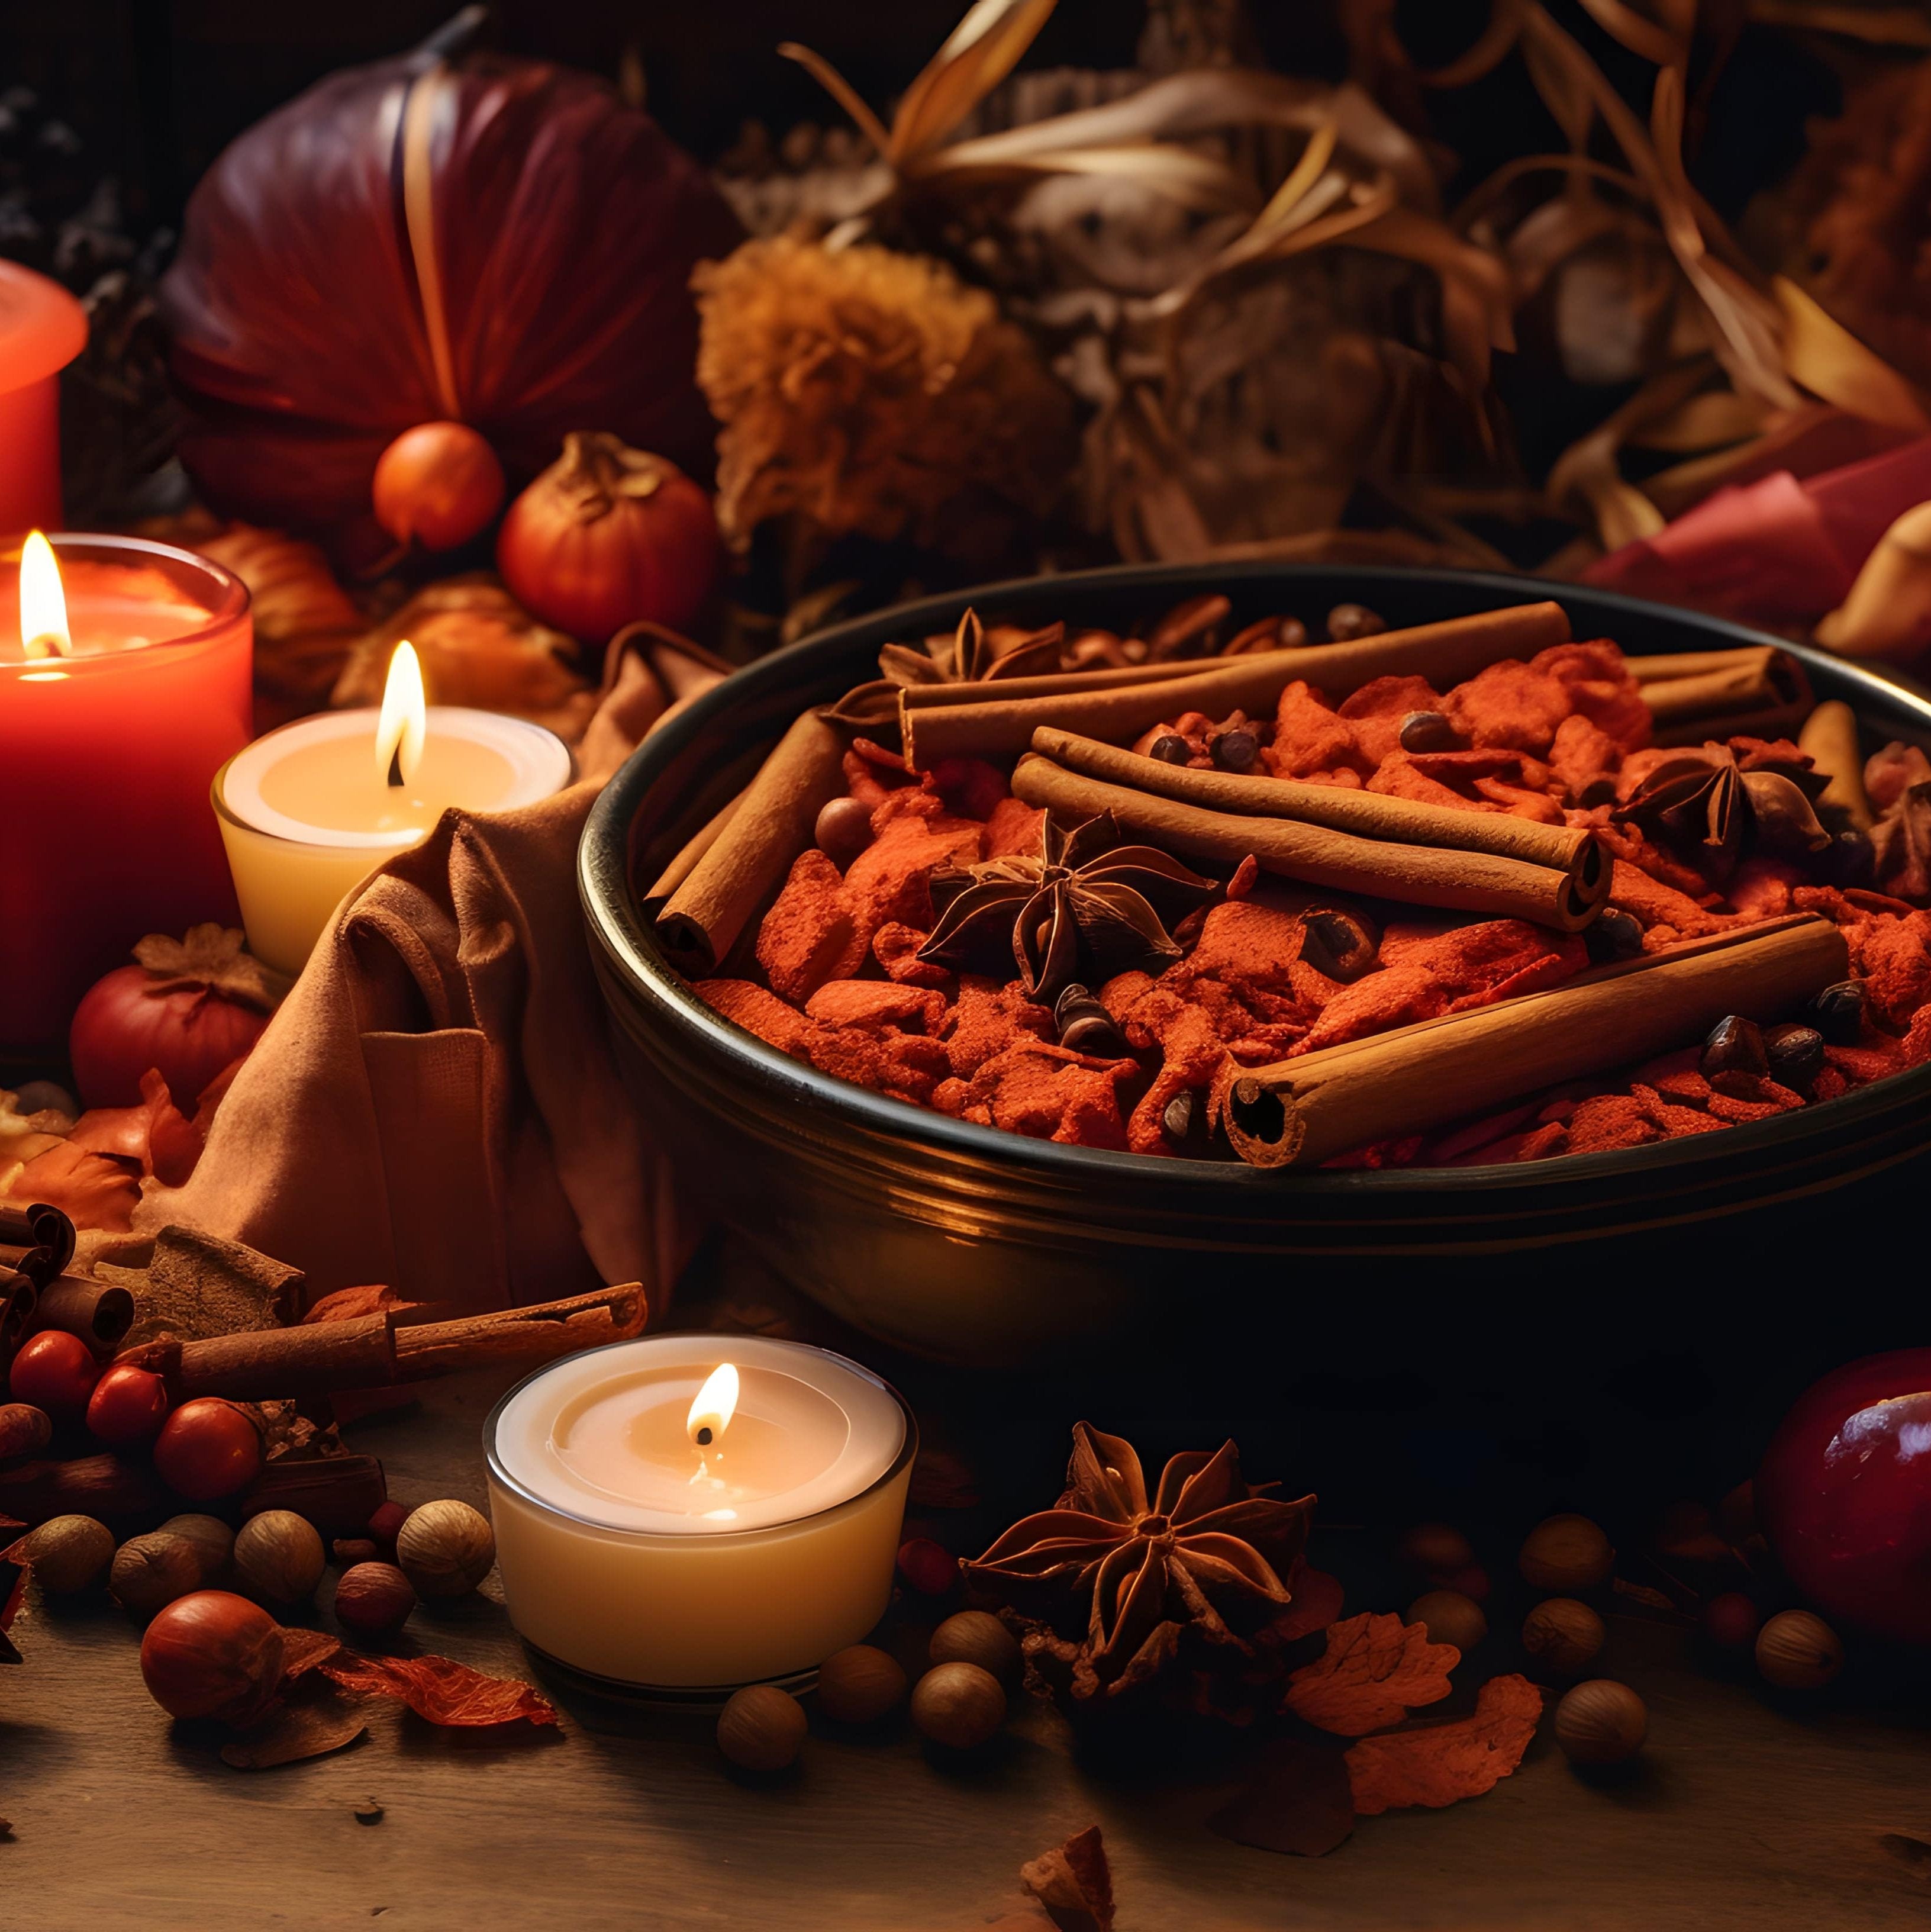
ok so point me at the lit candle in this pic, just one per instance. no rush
(307, 812)
(125, 675)
(687, 1513)
(42, 329)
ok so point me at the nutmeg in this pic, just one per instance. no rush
(762, 1729)
(1564, 1554)
(1450, 1618)
(977, 1637)
(67, 1552)
(859, 1684)
(150, 1572)
(1798, 1652)
(213, 1537)
(445, 1548)
(279, 1556)
(374, 1597)
(25, 1430)
(1601, 1722)
(959, 1705)
(1562, 1637)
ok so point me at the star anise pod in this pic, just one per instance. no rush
(1700, 800)
(1207, 1557)
(1086, 908)
(972, 654)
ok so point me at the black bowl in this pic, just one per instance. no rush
(970, 1244)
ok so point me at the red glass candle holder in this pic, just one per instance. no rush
(108, 755)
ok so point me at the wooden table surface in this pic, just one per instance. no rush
(1742, 1815)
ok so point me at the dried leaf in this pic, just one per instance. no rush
(303, 1650)
(295, 1732)
(979, 53)
(1830, 361)
(211, 954)
(94, 1190)
(439, 1689)
(1299, 1801)
(351, 1304)
(1073, 1883)
(1442, 1764)
(1376, 1668)
(153, 1134)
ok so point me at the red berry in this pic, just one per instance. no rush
(207, 1449)
(929, 1569)
(385, 1525)
(1730, 1621)
(127, 1407)
(55, 1372)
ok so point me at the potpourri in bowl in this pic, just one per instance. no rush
(998, 1004)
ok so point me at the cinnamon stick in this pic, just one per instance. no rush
(266, 1364)
(113, 1488)
(1756, 691)
(693, 849)
(18, 1294)
(1573, 849)
(772, 824)
(338, 1494)
(1300, 1112)
(532, 1335)
(98, 1312)
(36, 1240)
(1317, 855)
(1444, 653)
(1829, 735)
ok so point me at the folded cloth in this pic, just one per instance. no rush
(435, 1105)
(1779, 550)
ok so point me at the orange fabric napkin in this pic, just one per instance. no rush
(435, 1105)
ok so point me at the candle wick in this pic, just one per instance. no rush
(703, 1438)
(395, 765)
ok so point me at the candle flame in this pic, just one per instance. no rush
(404, 721)
(713, 1406)
(43, 629)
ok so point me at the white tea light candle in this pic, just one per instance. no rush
(688, 1513)
(308, 811)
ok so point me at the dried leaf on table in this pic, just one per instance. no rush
(1074, 1883)
(1375, 1669)
(287, 1436)
(1442, 1764)
(479, 647)
(197, 1284)
(295, 1732)
(1299, 1800)
(437, 1688)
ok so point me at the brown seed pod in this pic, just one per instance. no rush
(1562, 1637)
(959, 1705)
(762, 1729)
(445, 1548)
(860, 1684)
(279, 1556)
(1565, 1554)
(374, 1597)
(1601, 1722)
(208, 1534)
(67, 1552)
(1450, 1618)
(1798, 1652)
(150, 1572)
(977, 1637)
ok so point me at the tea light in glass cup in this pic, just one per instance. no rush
(682, 1515)
(308, 811)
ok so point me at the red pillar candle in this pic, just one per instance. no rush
(42, 329)
(108, 744)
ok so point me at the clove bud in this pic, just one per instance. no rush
(1171, 748)
(1235, 751)
(1796, 1055)
(1838, 1012)
(1429, 731)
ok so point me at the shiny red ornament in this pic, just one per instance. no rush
(491, 241)
(1844, 1494)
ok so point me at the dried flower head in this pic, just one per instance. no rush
(871, 392)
